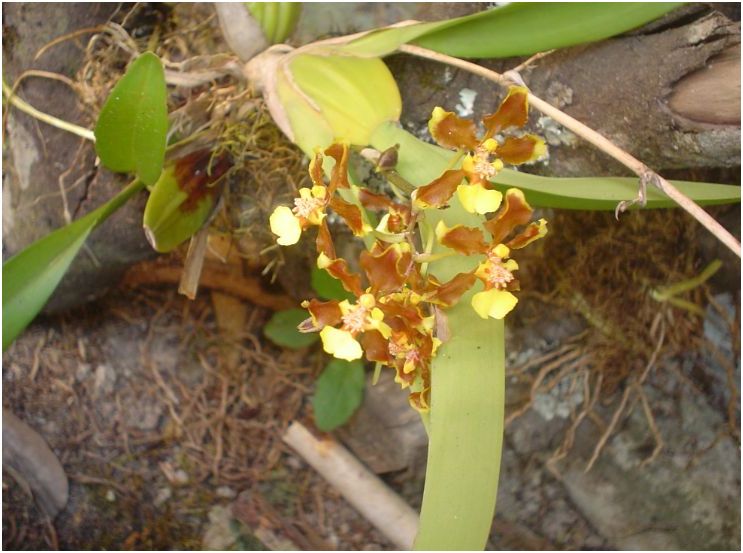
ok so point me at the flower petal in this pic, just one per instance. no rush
(285, 225)
(514, 212)
(477, 199)
(465, 240)
(339, 175)
(386, 269)
(340, 344)
(532, 232)
(449, 293)
(324, 313)
(522, 149)
(493, 303)
(438, 192)
(351, 214)
(452, 132)
(513, 112)
(375, 347)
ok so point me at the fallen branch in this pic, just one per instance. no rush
(647, 175)
(371, 497)
(214, 278)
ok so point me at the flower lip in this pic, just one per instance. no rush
(285, 225)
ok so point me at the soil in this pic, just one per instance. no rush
(157, 418)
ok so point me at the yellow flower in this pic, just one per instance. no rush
(285, 225)
(340, 343)
(478, 199)
(494, 271)
(493, 303)
(311, 204)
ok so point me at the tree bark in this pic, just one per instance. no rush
(669, 94)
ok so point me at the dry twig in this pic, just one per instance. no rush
(647, 175)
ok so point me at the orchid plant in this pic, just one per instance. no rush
(438, 270)
(399, 317)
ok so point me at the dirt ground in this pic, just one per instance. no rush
(157, 419)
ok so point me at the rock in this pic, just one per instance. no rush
(663, 505)
(163, 494)
(386, 434)
(82, 372)
(41, 154)
(218, 535)
(145, 413)
(29, 457)
(225, 492)
(105, 380)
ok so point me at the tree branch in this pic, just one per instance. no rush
(647, 175)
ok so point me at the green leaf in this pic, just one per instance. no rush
(466, 434)
(465, 423)
(525, 28)
(515, 29)
(277, 19)
(418, 160)
(604, 193)
(338, 393)
(31, 276)
(182, 199)
(327, 287)
(132, 127)
(282, 329)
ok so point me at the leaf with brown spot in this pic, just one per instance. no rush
(514, 211)
(183, 199)
(513, 112)
(438, 192)
(196, 174)
(465, 240)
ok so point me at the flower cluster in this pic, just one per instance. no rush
(394, 316)
(485, 156)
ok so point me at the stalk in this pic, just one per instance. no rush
(467, 383)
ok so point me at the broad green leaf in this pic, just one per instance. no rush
(277, 19)
(338, 393)
(182, 199)
(282, 329)
(327, 287)
(466, 434)
(467, 391)
(515, 29)
(525, 28)
(328, 82)
(133, 124)
(416, 158)
(31, 276)
(519, 28)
